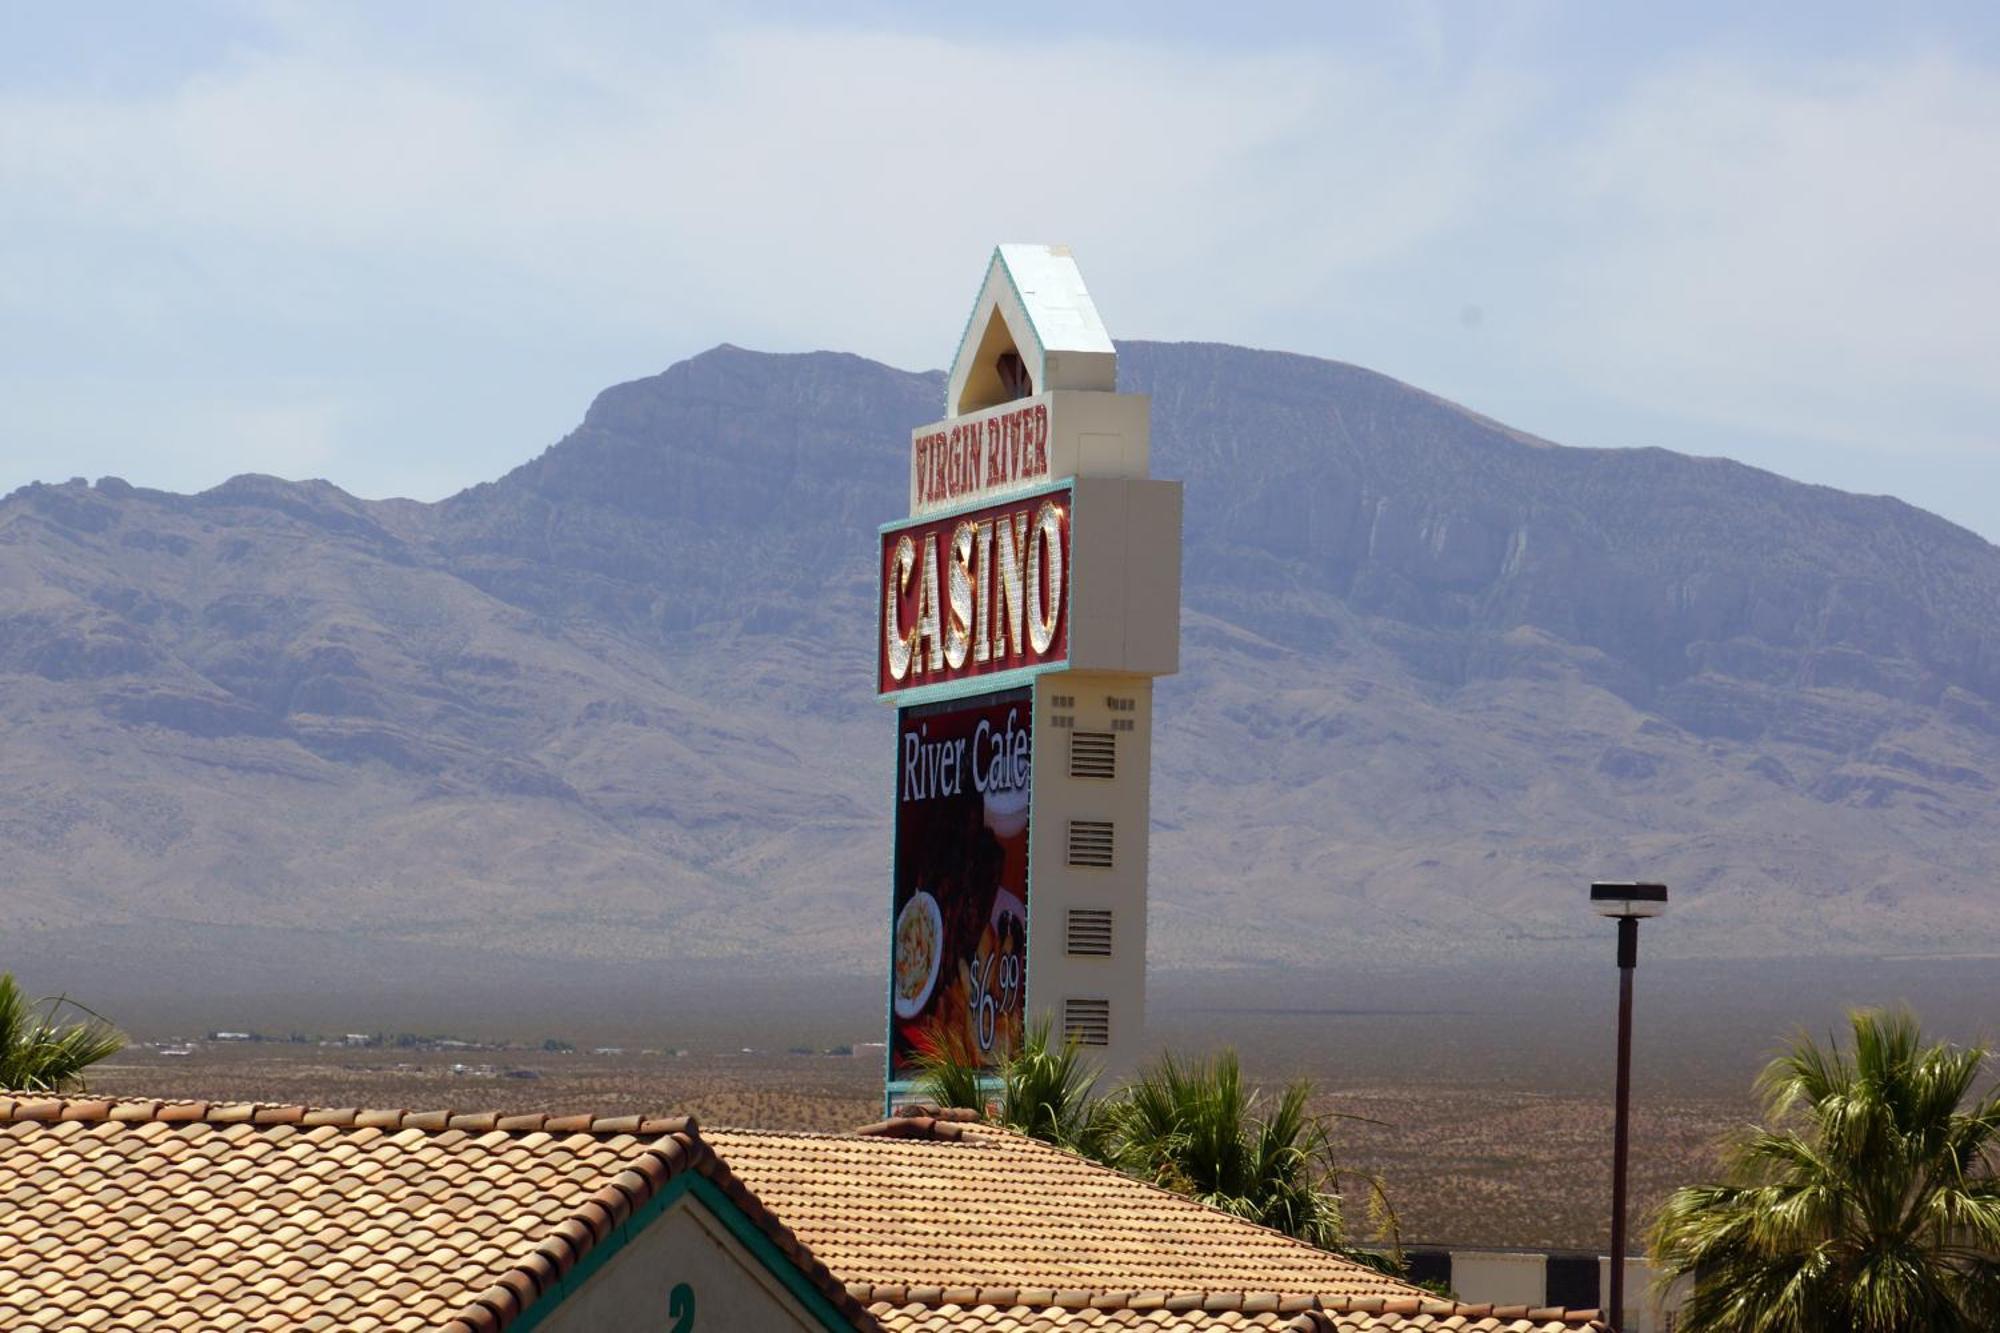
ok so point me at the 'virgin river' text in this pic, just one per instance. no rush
(984, 454)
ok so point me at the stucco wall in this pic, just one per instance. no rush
(633, 1293)
(1501, 1278)
(1066, 702)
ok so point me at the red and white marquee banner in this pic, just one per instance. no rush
(1001, 449)
(975, 594)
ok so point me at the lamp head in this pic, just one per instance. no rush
(1636, 900)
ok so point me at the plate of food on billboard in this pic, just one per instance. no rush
(959, 939)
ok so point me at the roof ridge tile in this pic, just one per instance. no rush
(897, 1294)
(914, 1127)
(17, 1106)
(963, 1115)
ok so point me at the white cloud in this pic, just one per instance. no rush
(837, 183)
(297, 439)
(1807, 252)
(1792, 249)
(117, 430)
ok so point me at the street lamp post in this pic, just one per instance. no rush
(1628, 904)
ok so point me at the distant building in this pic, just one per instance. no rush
(1510, 1276)
(289, 1217)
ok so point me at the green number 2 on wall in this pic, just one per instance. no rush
(680, 1308)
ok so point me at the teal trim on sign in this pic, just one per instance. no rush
(999, 261)
(894, 1090)
(895, 867)
(1035, 800)
(996, 683)
(991, 1084)
(982, 502)
(971, 315)
(774, 1260)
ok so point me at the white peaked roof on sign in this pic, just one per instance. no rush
(1057, 303)
(1034, 303)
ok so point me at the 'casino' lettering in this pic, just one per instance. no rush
(984, 592)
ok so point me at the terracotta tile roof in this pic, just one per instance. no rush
(1337, 1318)
(178, 1215)
(940, 1225)
(171, 1215)
(991, 1208)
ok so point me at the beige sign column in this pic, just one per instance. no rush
(1039, 572)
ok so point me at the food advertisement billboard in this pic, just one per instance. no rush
(959, 913)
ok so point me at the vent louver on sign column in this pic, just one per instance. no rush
(1093, 754)
(1087, 1022)
(1088, 933)
(1090, 843)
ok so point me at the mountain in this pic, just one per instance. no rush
(616, 704)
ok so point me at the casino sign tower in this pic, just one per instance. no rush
(1027, 603)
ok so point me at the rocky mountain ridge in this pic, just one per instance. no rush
(616, 703)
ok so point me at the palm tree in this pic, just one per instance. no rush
(1194, 1128)
(39, 1053)
(943, 1079)
(1866, 1203)
(1045, 1091)
(1191, 1127)
(1050, 1093)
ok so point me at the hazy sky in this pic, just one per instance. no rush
(401, 246)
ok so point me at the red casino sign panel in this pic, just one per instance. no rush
(975, 594)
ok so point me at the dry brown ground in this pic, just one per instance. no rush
(1492, 1089)
(1472, 1164)
(1480, 1165)
(792, 1092)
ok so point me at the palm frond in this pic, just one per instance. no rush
(41, 1049)
(1867, 1203)
(1049, 1092)
(945, 1080)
